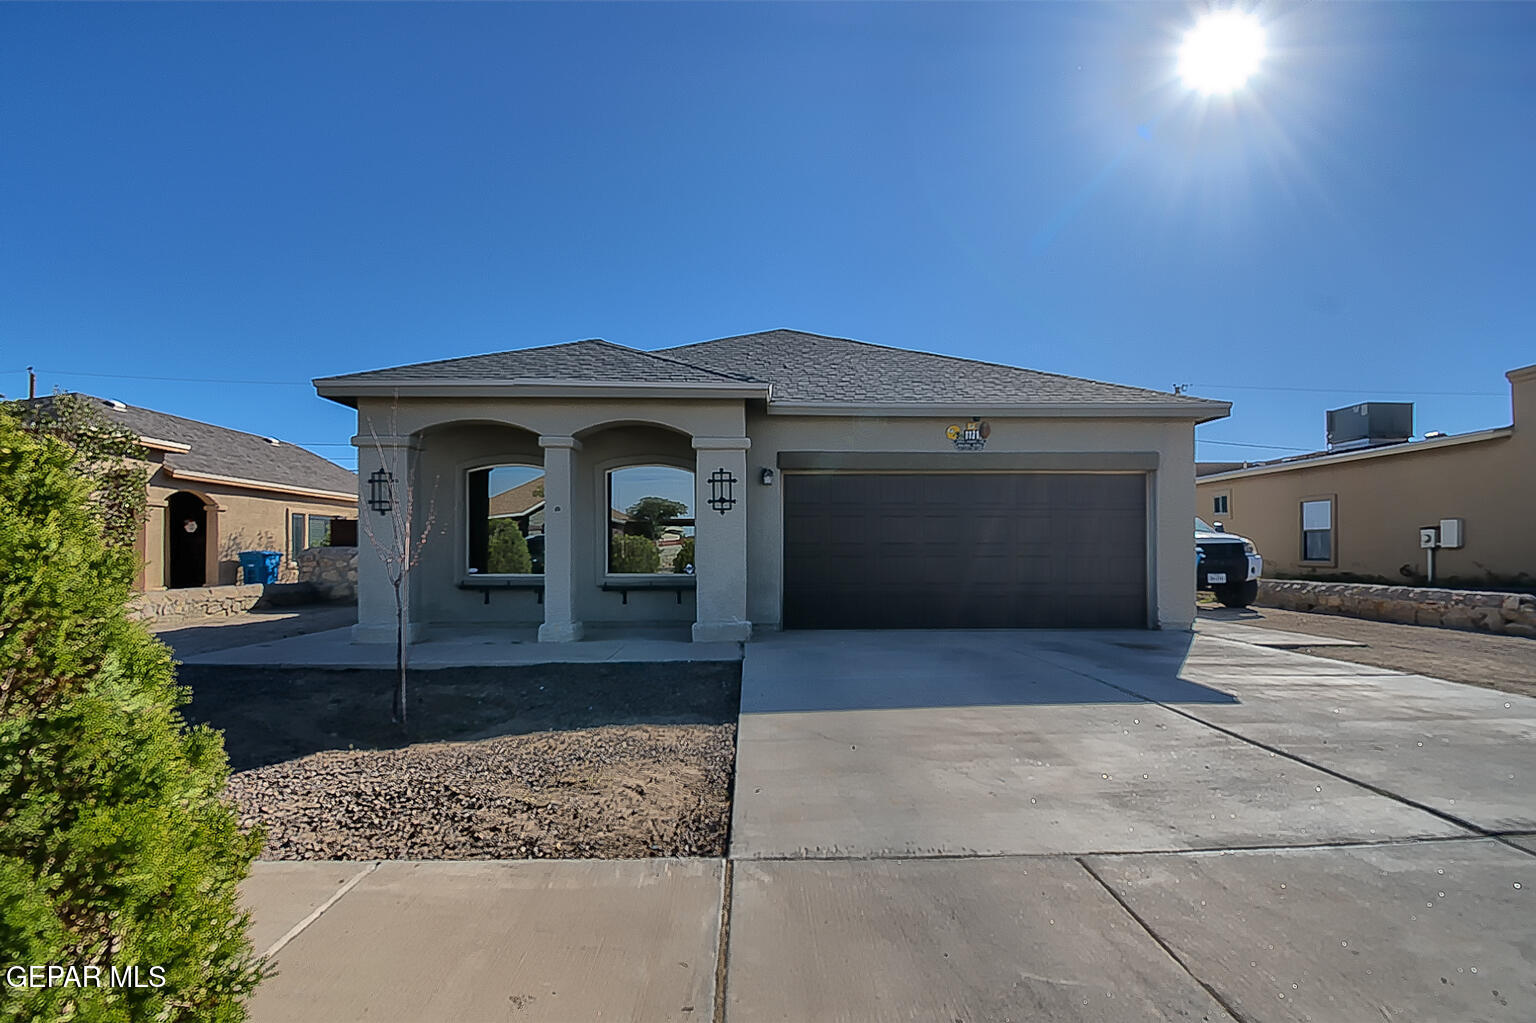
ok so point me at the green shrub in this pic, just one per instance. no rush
(116, 849)
(633, 554)
(684, 557)
(507, 549)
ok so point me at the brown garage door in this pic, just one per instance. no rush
(948, 551)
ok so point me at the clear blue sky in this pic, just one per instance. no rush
(275, 192)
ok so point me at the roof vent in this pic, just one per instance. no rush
(113, 403)
(273, 441)
(1432, 434)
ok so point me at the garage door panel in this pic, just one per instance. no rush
(964, 551)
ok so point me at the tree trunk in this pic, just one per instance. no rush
(398, 708)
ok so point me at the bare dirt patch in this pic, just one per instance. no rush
(565, 760)
(1505, 663)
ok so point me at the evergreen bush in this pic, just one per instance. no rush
(116, 849)
(684, 557)
(507, 549)
(633, 554)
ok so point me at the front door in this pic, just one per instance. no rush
(187, 544)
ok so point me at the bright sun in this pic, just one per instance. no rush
(1221, 52)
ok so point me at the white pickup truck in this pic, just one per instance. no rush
(1228, 565)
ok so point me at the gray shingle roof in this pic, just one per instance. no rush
(814, 368)
(595, 360)
(220, 451)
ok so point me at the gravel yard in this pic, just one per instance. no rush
(566, 760)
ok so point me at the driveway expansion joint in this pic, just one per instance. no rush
(1141, 922)
(336, 896)
(722, 948)
(1282, 752)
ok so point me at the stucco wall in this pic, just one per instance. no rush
(1381, 502)
(1170, 499)
(435, 441)
(239, 519)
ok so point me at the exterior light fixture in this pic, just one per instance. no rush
(379, 485)
(190, 525)
(722, 492)
(766, 477)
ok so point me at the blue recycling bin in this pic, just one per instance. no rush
(260, 566)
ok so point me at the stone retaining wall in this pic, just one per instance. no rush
(332, 571)
(1475, 610)
(197, 601)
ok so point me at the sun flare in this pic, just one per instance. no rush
(1221, 52)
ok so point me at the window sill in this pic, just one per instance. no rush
(661, 581)
(502, 582)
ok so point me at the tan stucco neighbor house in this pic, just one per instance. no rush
(215, 492)
(822, 482)
(1360, 512)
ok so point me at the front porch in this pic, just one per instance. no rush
(577, 520)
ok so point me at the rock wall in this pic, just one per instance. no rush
(197, 602)
(332, 571)
(1513, 614)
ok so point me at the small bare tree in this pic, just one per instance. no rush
(398, 546)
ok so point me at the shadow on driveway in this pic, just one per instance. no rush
(843, 671)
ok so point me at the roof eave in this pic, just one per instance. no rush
(252, 484)
(1341, 457)
(1201, 412)
(347, 391)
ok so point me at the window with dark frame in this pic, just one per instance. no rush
(1317, 530)
(506, 520)
(1219, 504)
(296, 535)
(650, 520)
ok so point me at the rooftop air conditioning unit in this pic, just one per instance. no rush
(1370, 424)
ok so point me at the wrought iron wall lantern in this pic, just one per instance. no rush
(380, 488)
(765, 477)
(722, 491)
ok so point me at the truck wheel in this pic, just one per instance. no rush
(1238, 594)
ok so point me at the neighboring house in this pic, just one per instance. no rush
(215, 492)
(826, 483)
(1359, 512)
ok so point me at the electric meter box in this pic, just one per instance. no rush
(1429, 537)
(1450, 532)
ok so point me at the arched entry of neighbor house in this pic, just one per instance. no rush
(186, 546)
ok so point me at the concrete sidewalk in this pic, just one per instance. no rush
(459, 648)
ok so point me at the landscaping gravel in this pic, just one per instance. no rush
(537, 761)
(618, 791)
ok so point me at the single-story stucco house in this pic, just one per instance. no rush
(824, 483)
(213, 492)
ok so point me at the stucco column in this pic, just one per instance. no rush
(720, 540)
(560, 622)
(375, 595)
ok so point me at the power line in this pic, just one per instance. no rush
(177, 380)
(1358, 390)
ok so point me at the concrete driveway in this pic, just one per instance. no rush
(991, 827)
(1102, 826)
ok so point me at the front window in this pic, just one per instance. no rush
(1317, 530)
(319, 530)
(650, 520)
(506, 520)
